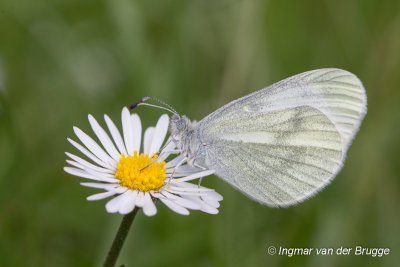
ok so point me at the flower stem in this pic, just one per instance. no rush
(120, 238)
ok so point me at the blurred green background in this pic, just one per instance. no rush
(60, 60)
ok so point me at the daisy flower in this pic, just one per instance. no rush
(136, 179)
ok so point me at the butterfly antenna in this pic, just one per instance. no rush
(145, 98)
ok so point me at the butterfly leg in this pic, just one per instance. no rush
(202, 168)
(176, 167)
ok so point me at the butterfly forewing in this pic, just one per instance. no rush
(337, 93)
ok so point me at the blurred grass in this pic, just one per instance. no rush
(60, 60)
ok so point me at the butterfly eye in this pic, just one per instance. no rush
(180, 124)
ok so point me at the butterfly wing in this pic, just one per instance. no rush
(337, 93)
(284, 143)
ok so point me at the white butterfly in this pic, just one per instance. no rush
(281, 144)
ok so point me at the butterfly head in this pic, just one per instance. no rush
(178, 125)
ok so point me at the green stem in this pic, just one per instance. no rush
(119, 239)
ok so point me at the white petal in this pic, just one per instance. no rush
(149, 209)
(99, 196)
(174, 162)
(196, 175)
(188, 168)
(184, 169)
(140, 201)
(104, 139)
(175, 182)
(216, 196)
(177, 174)
(159, 134)
(88, 164)
(98, 175)
(210, 201)
(174, 207)
(181, 201)
(204, 206)
(127, 127)
(93, 146)
(187, 204)
(107, 187)
(75, 164)
(189, 189)
(119, 189)
(148, 139)
(208, 209)
(167, 150)
(212, 195)
(137, 132)
(84, 174)
(116, 135)
(114, 204)
(89, 154)
(181, 193)
(128, 204)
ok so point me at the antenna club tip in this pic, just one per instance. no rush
(145, 98)
(134, 105)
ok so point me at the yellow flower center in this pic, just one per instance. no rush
(133, 173)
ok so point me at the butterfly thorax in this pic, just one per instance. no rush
(182, 133)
